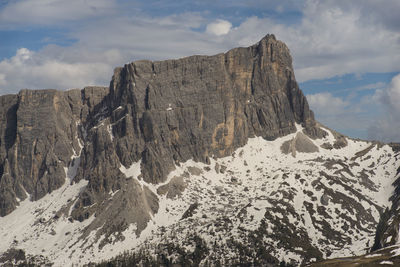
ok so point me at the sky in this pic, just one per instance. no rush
(346, 54)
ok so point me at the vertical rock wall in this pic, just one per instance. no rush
(159, 113)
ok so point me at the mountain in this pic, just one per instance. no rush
(202, 160)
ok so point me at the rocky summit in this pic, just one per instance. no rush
(199, 161)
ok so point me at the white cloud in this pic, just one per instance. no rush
(393, 94)
(373, 12)
(48, 12)
(2, 80)
(373, 116)
(149, 38)
(387, 127)
(332, 40)
(325, 104)
(102, 46)
(28, 69)
(219, 27)
(371, 86)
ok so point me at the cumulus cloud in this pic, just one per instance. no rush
(91, 60)
(334, 40)
(351, 113)
(336, 112)
(385, 129)
(48, 12)
(30, 70)
(373, 12)
(373, 115)
(392, 95)
(325, 104)
(219, 27)
(330, 39)
(387, 126)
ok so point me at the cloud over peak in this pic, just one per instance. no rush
(219, 27)
(28, 69)
(386, 128)
(392, 95)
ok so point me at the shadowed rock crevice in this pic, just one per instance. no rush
(11, 126)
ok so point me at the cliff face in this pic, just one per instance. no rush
(204, 106)
(170, 140)
(39, 133)
(156, 113)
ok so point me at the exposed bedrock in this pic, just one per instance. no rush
(159, 113)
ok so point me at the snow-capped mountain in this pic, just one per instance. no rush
(204, 160)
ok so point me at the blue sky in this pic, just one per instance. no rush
(346, 54)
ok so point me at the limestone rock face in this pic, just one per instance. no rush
(170, 141)
(37, 141)
(204, 106)
(156, 113)
(40, 131)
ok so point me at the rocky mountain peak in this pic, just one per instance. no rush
(117, 156)
(157, 113)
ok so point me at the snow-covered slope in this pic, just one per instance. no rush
(293, 206)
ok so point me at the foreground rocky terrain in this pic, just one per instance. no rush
(204, 160)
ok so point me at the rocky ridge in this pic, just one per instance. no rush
(132, 159)
(161, 113)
